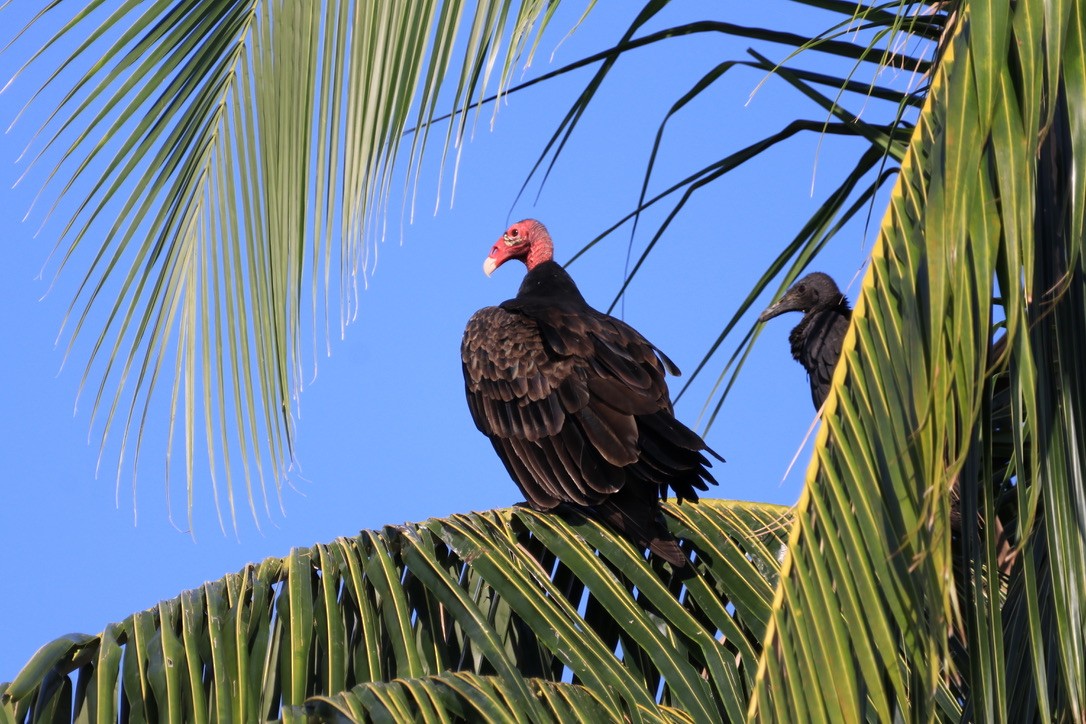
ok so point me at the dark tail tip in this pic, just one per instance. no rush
(668, 550)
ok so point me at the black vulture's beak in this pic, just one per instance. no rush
(784, 304)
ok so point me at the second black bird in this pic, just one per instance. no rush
(816, 340)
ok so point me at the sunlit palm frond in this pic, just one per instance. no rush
(462, 696)
(512, 599)
(219, 150)
(987, 210)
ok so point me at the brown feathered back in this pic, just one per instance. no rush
(576, 406)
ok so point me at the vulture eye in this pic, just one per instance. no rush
(512, 237)
(802, 289)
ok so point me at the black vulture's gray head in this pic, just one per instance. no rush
(814, 291)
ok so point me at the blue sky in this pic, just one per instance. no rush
(384, 432)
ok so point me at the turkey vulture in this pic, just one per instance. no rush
(816, 340)
(575, 403)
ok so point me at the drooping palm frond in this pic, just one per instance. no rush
(988, 210)
(862, 44)
(511, 599)
(225, 148)
(467, 697)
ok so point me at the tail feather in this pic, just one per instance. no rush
(635, 512)
(669, 551)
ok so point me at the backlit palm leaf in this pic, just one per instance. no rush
(469, 697)
(989, 205)
(513, 599)
(226, 145)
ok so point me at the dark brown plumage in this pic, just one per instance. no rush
(816, 340)
(575, 403)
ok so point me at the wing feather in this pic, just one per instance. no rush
(577, 407)
(821, 341)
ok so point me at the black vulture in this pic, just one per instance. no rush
(816, 344)
(816, 340)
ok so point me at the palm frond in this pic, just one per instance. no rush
(510, 599)
(224, 149)
(978, 217)
(462, 696)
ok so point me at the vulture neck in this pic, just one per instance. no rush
(549, 281)
(541, 250)
(817, 321)
(839, 306)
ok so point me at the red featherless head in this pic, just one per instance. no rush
(526, 240)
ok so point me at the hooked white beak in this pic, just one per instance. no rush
(490, 265)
